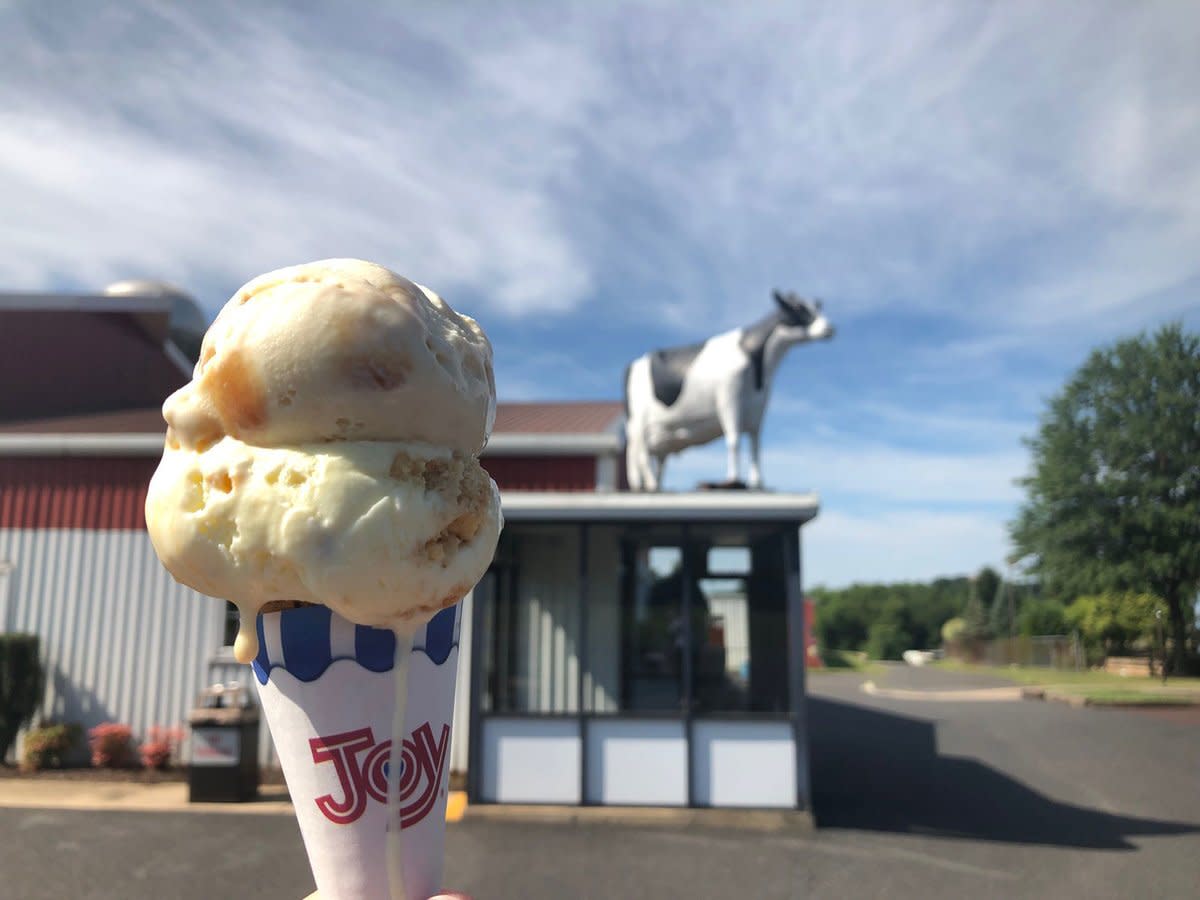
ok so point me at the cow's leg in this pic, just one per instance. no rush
(755, 471)
(730, 419)
(732, 439)
(635, 452)
(657, 462)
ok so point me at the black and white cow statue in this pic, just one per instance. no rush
(684, 396)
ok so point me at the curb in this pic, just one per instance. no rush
(132, 797)
(1078, 701)
(456, 806)
(761, 820)
(963, 695)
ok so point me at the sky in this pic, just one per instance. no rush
(979, 192)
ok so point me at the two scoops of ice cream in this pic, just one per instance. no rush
(326, 451)
(321, 472)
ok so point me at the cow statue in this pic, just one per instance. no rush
(684, 396)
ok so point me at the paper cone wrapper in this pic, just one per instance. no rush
(328, 692)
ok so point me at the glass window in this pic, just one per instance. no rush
(739, 655)
(644, 585)
(729, 560)
(531, 625)
(652, 627)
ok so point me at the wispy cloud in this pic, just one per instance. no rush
(535, 159)
(841, 549)
(882, 473)
(186, 147)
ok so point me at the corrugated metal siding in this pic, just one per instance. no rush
(547, 620)
(121, 640)
(74, 492)
(544, 473)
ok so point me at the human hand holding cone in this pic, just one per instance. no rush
(325, 454)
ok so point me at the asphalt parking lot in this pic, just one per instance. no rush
(913, 799)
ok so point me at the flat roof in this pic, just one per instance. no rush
(626, 506)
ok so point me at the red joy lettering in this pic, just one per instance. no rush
(342, 750)
(429, 757)
(422, 767)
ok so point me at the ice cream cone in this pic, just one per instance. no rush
(328, 691)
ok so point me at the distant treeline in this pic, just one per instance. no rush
(886, 619)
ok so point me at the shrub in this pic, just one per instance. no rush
(1113, 621)
(160, 746)
(887, 640)
(47, 745)
(20, 685)
(953, 629)
(110, 743)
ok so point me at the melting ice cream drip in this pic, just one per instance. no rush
(395, 860)
(245, 645)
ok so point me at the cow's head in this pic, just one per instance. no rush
(802, 320)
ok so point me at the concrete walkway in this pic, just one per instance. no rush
(40, 793)
(968, 695)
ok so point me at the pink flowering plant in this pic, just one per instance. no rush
(111, 745)
(160, 746)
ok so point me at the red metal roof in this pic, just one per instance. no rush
(581, 417)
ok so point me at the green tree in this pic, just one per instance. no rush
(1003, 612)
(1038, 617)
(1113, 501)
(1113, 620)
(976, 614)
(987, 585)
(21, 683)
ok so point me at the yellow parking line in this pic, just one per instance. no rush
(456, 806)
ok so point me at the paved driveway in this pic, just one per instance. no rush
(914, 799)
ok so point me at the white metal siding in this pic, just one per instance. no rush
(121, 641)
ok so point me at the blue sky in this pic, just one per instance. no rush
(980, 192)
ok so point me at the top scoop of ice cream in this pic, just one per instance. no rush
(326, 451)
(338, 350)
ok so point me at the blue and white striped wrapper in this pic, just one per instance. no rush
(307, 640)
(327, 688)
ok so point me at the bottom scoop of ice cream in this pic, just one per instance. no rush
(384, 533)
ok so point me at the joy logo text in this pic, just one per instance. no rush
(360, 766)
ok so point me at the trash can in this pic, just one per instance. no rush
(224, 766)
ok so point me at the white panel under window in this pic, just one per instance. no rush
(749, 764)
(531, 760)
(637, 763)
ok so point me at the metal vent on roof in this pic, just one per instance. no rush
(187, 323)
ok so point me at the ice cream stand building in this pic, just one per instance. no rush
(630, 648)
